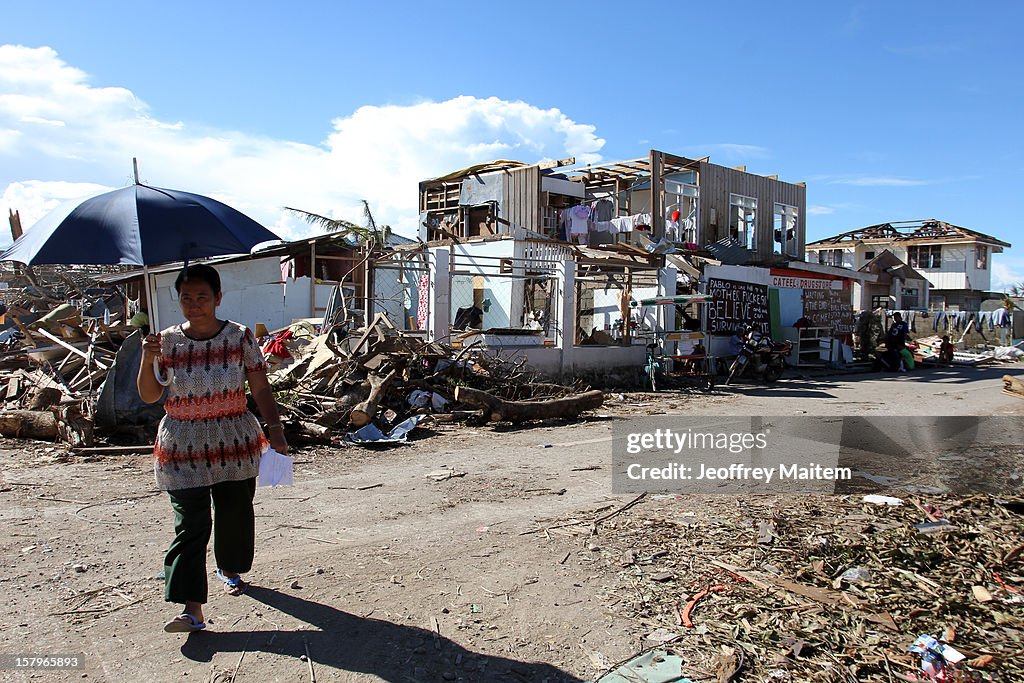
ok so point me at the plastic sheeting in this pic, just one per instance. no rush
(654, 666)
(371, 433)
(482, 189)
(119, 402)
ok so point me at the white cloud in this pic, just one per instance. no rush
(377, 153)
(40, 120)
(881, 181)
(34, 198)
(818, 210)
(1006, 272)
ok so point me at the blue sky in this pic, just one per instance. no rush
(889, 111)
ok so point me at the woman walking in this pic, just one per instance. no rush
(208, 446)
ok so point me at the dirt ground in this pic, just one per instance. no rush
(376, 564)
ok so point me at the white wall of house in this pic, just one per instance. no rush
(850, 256)
(957, 270)
(253, 293)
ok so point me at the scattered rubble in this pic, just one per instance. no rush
(840, 594)
(339, 381)
(56, 357)
(68, 337)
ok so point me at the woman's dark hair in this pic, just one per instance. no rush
(200, 271)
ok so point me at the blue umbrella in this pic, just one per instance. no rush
(137, 225)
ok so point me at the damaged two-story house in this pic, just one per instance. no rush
(564, 255)
(689, 202)
(956, 262)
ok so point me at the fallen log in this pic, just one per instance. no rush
(522, 411)
(29, 424)
(364, 412)
(1013, 385)
(311, 431)
(454, 416)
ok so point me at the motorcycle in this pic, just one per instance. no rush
(760, 358)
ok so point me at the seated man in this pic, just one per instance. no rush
(736, 342)
(946, 351)
(693, 365)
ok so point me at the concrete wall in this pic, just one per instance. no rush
(253, 293)
(606, 307)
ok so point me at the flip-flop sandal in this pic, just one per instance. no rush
(184, 623)
(235, 584)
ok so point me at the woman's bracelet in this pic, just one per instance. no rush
(276, 424)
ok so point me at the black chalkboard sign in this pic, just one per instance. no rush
(737, 303)
(829, 308)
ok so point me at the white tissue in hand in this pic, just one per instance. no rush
(275, 469)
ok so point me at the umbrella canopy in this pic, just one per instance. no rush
(137, 225)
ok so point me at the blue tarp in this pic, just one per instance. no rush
(371, 433)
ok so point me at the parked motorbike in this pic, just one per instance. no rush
(760, 358)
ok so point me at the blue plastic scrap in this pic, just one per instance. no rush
(371, 433)
(653, 666)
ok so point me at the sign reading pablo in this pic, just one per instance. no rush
(737, 303)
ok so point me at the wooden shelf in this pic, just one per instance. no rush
(813, 345)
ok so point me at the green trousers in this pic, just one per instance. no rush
(234, 536)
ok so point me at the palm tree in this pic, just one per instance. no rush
(332, 224)
(371, 234)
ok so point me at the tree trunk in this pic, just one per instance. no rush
(1013, 385)
(342, 408)
(29, 424)
(312, 431)
(521, 411)
(363, 413)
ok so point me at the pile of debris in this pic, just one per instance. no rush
(379, 378)
(837, 588)
(928, 352)
(52, 371)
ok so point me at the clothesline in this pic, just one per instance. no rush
(946, 321)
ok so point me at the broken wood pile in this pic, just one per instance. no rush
(814, 589)
(380, 374)
(54, 364)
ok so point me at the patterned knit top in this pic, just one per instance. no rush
(208, 435)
